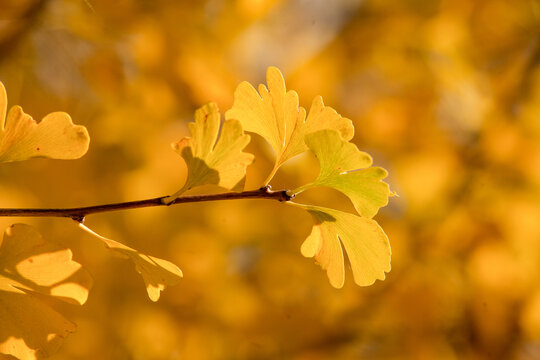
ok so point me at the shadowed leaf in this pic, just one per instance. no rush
(28, 264)
(209, 162)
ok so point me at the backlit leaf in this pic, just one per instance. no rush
(365, 243)
(29, 328)
(22, 138)
(157, 273)
(346, 169)
(209, 162)
(274, 114)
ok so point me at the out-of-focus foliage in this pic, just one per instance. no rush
(28, 264)
(31, 266)
(444, 94)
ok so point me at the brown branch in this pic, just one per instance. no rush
(79, 213)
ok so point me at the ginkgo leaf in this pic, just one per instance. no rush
(347, 169)
(210, 163)
(365, 243)
(274, 114)
(157, 273)
(30, 329)
(55, 136)
(28, 264)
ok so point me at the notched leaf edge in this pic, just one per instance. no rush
(157, 273)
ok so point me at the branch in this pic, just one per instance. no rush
(79, 213)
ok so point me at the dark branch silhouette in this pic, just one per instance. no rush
(79, 213)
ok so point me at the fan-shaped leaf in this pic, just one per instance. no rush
(210, 163)
(346, 169)
(22, 138)
(157, 273)
(28, 264)
(274, 114)
(364, 241)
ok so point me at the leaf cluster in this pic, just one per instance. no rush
(214, 155)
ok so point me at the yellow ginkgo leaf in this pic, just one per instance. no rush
(274, 114)
(347, 169)
(22, 138)
(30, 329)
(157, 273)
(210, 163)
(364, 241)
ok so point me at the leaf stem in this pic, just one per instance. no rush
(272, 173)
(300, 189)
(79, 213)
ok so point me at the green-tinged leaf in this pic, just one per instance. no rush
(210, 163)
(157, 273)
(345, 168)
(365, 243)
(28, 264)
(22, 138)
(274, 114)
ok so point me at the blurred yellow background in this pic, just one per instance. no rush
(443, 94)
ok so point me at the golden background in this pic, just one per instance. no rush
(444, 94)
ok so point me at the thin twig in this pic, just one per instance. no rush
(79, 213)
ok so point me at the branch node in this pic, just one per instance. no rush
(78, 218)
(167, 200)
(285, 196)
